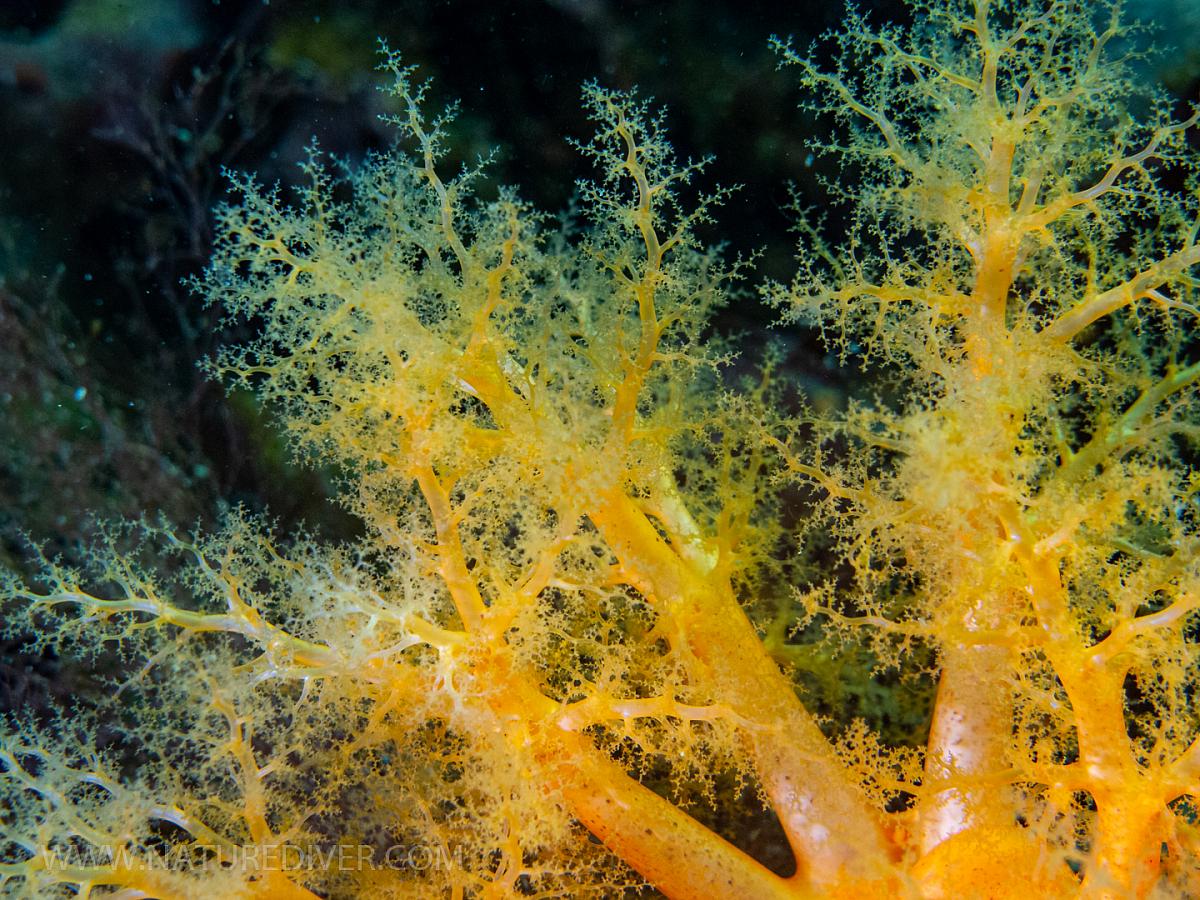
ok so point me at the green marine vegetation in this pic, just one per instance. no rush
(578, 618)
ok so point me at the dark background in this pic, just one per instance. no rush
(117, 116)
